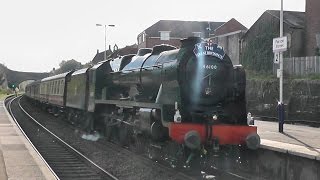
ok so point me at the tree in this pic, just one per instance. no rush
(68, 65)
(257, 54)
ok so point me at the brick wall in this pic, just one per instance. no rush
(312, 24)
(150, 42)
(230, 44)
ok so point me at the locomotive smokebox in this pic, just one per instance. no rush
(192, 140)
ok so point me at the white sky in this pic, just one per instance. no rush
(36, 35)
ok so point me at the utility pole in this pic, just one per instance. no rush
(105, 38)
(279, 46)
(281, 105)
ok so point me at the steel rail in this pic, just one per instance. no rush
(64, 143)
(24, 134)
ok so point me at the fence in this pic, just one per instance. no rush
(300, 65)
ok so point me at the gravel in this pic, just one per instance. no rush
(118, 161)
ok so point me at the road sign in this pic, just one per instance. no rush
(280, 44)
(278, 73)
(276, 58)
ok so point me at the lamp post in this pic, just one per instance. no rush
(105, 37)
(281, 105)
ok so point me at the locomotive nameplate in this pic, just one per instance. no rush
(208, 49)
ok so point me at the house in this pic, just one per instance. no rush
(115, 53)
(293, 28)
(229, 35)
(172, 31)
(256, 43)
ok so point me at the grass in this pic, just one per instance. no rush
(252, 75)
(4, 93)
(307, 77)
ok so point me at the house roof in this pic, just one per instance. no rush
(231, 26)
(100, 56)
(181, 29)
(133, 49)
(120, 52)
(292, 18)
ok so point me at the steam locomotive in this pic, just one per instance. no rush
(192, 96)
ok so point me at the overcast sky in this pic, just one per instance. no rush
(36, 35)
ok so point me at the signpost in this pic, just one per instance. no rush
(276, 59)
(279, 46)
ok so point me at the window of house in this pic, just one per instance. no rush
(143, 37)
(165, 35)
(139, 39)
(197, 34)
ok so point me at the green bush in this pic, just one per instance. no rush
(5, 91)
(257, 54)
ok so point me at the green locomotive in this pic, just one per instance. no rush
(192, 96)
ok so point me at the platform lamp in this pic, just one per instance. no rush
(105, 37)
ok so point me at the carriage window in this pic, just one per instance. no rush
(51, 88)
(58, 87)
(62, 87)
(54, 87)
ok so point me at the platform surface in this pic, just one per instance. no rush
(298, 140)
(18, 159)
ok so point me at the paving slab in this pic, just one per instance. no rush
(3, 172)
(297, 140)
(18, 159)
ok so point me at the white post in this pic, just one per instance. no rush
(281, 105)
(105, 42)
(281, 54)
(105, 37)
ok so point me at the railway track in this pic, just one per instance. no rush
(64, 160)
(210, 173)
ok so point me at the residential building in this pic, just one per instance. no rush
(256, 43)
(172, 31)
(115, 53)
(229, 35)
(268, 27)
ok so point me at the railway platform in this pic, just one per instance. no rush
(298, 140)
(18, 159)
